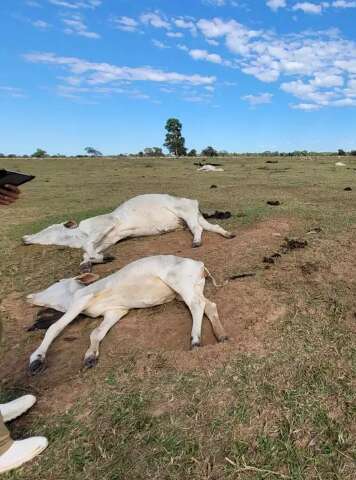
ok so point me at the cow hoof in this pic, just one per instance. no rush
(91, 361)
(37, 366)
(86, 267)
(196, 244)
(223, 338)
(232, 235)
(108, 258)
(195, 345)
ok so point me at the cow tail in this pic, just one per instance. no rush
(216, 285)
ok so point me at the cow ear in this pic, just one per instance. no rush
(87, 278)
(71, 224)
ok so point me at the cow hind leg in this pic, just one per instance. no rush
(209, 227)
(97, 335)
(212, 313)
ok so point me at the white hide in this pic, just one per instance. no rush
(340, 164)
(210, 168)
(143, 215)
(144, 283)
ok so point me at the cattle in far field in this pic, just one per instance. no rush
(210, 168)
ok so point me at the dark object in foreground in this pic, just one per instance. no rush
(213, 186)
(272, 161)
(45, 318)
(348, 189)
(218, 215)
(238, 276)
(272, 258)
(293, 244)
(273, 203)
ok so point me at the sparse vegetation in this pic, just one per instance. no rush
(278, 403)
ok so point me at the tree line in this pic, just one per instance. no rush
(175, 144)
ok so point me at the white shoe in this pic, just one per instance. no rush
(16, 408)
(22, 451)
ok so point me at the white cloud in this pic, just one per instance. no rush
(217, 3)
(258, 99)
(92, 73)
(75, 26)
(198, 54)
(186, 24)
(41, 24)
(159, 44)
(212, 42)
(155, 20)
(76, 4)
(344, 4)
(308, 7)
(308, 107)
(127, 24)
(174, 34)
(276, 4)
(315, 65)
(13, 92)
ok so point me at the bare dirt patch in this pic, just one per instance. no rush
(247, 310)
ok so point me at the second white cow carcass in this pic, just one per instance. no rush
(144, 283)
(149, 214)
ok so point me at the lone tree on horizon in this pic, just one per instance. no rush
(39, 153)
(175, 142)
(93, 152)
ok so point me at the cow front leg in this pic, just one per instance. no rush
(97, 335)
(194, 226)
(37, 359)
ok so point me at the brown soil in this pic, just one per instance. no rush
(246, 308)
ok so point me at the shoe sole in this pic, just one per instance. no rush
(10, 419)
(22, 462)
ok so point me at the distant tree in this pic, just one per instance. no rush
(353, 153)
(2, 155)
(39, 153)
(341, 152)
(140, 154)
(153, 152)
(175, 142)
(192, 153)
(93, 152)
(209, 152)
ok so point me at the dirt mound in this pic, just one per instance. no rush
(246, 308)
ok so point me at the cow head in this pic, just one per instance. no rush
(67, 234)
(60, 295)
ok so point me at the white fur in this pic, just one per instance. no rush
(145, 283)
(143, 215)
(210, 168)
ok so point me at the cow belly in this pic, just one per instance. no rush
(149, 222)
(141, 294)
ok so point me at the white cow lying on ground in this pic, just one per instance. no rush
(145, 283)
(210, 168)
(143, 215)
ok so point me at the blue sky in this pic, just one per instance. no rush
(241, 75)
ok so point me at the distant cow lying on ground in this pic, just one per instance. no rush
(144, 283)
(143, 215)
(210, 168)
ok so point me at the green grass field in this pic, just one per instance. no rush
(276, 402)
